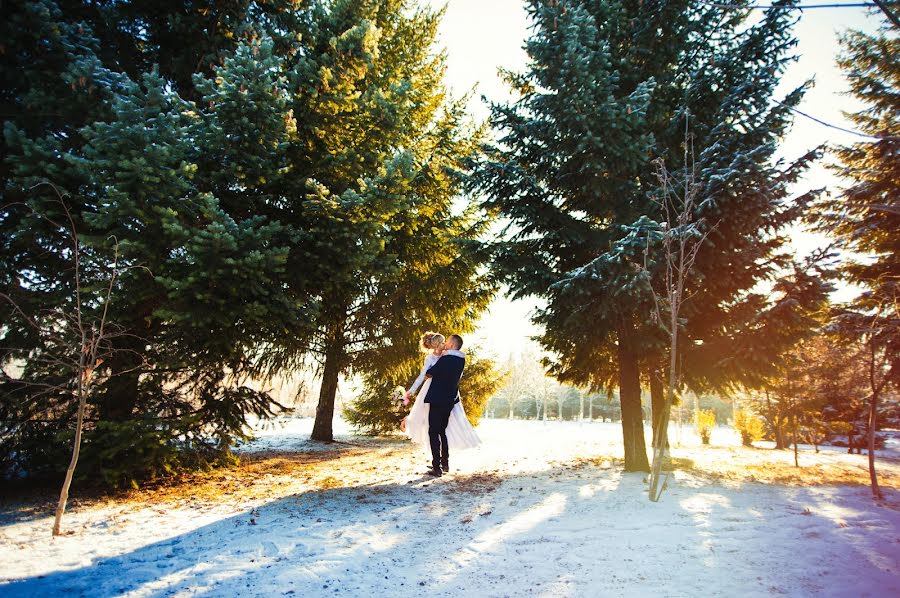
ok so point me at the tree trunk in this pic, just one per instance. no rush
(82, 385)
(657, 403)
(119, 399)
(779, 434)
(796, 458)
(323, 428)
(591, 409)
(581, 411)
(696, 410)
(873, 414)
(120, 391)
(630, 400)
(873, 417)
(775, 421)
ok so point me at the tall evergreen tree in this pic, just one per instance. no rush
(206, 278)
(282, 178)
(611, 86)
(865, 218)
(379, 158)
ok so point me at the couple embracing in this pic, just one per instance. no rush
(437, 418)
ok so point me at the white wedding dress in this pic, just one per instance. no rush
(460, 433)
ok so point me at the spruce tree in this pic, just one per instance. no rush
(611, 87)
(379, 157)
(205, 279)
(865, 217)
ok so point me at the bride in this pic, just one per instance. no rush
(460, 434)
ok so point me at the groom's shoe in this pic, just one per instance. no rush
(434, 471)
(445, 467)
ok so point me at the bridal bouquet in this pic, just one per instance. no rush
(397, 395)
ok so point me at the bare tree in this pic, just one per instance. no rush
(680, 240)
(878, 370)
(93, 334)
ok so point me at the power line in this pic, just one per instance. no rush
(786, 7)
(875, 3)
(838, 128)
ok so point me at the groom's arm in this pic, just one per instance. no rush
(438, 368)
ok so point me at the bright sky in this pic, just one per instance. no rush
(481, 36)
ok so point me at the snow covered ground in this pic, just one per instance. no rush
(542, 509)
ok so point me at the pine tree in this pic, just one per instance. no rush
(204, 278)
(841, 381)
(610, 88)
(282, 185)
(379, 156)
(866, 216)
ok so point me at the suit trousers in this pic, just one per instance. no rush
(438, 418)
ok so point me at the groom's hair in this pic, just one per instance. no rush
(457, 341)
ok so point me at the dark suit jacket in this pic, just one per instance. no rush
(445, 375)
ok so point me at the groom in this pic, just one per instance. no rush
(442, 395)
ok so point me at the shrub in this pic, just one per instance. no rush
(749, 426)
(706, 419)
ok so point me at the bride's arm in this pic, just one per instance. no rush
(418, 382)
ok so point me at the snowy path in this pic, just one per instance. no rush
(540, 510)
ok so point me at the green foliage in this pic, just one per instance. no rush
(374, 411)
(821, 391)
(121, 454)
(281, 186)
(749, 426)
(704, 423)
(612, 86)
(199, 288)
(397, 248)
(866, 216)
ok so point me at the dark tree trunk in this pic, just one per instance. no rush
(779, 435)
(775, 421)
(796, 458)
(630, 400)
(873, 424)
(323, 427)
(120, 394)
(873, 414)
(657, 402)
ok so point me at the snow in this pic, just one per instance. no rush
(542, 509)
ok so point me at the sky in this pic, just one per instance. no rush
(480, 36)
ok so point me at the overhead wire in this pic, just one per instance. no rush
(786, 7)
(880, 4)
(839, 128)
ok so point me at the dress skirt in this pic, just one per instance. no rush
(460, 433)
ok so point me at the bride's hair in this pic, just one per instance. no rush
(430, 340)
